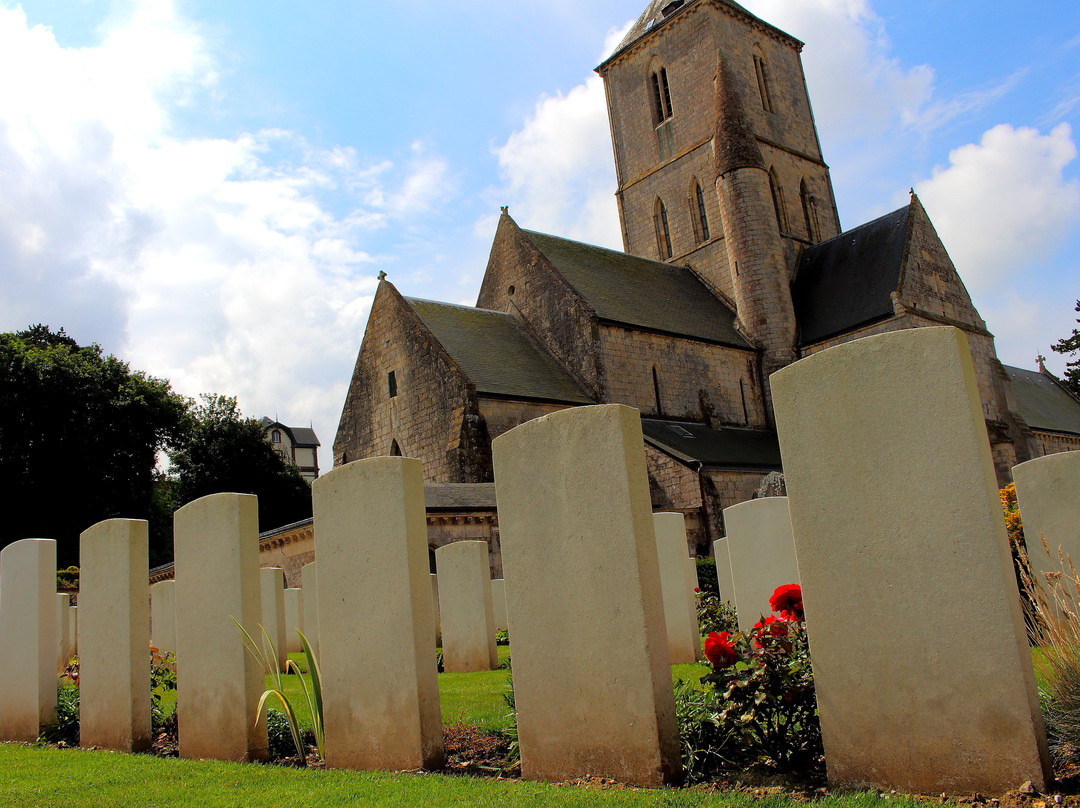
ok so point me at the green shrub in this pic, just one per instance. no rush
(706, 574)
(162, 681)
(65, 732)
(715, 614)
(68, 579)
(501, 637)
(279, 735)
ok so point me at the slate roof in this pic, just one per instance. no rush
(654, 16)
(301, 435)
(459, 496)
(1043, 403)
(724, 448)
(629, 290)
(845, 282)
(496, 353)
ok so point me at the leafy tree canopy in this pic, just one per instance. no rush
(1070, 346)
(79, 437)
(222, 451)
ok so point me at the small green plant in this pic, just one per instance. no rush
(513, 753)
(279, 736)
(715, 614)
(266, 655)
(68, 578)
(501, 637)
(65, 732)
(162, 681)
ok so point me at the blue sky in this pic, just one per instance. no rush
(209, 189)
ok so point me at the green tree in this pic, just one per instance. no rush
(1070, 346)
(80, 434)
(223, 451)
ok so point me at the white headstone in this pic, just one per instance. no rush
(922, 669)
(380, 685)
(163, 616)
(762, 554)
(216, 542)
(272, 580)
(465, 608)
(294, 619)
(722, 558)
(28, 634)
(435, 608)
(498, 603)
(676, 587)
(114, 667)
(583, 599)
(63, 631)
(1048, 493)
(309, 580)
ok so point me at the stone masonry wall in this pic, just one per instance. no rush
(1053, 442)
(435, 414)
(502, 415)
(520, 281)
(698, 381)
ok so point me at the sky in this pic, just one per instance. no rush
(209, 189)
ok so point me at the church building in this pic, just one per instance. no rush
(734, 266)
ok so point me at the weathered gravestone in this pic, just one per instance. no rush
(28, 634)
(218, 682)
(923, 673)
(498, 603)
(309, 580)
(435, 608)
(114, 669)
(762, 555)
(163, 616)
(272, 582)
(465, 608)
(380, 684)
(584, 600)
(722, 559)
(1048, 492)
(73, 628)
(294, 619)
(677, 588)
(63, 631)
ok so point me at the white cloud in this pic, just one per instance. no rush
(558, 170)
(1004, 203)
(219, 263)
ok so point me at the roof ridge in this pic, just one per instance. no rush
(858, 227)
(457, 306)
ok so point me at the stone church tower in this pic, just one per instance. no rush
(713, 133)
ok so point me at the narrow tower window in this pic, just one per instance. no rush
(391, 383)
(777, 199)
(703, 219)
(663, 233)
(807, 211)
(661, 96)
(395, 450)
(656, 391)
(763, 82)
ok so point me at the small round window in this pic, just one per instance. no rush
(510, 290)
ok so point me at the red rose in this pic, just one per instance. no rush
(771, 626)
(719, 650)
(787, 602)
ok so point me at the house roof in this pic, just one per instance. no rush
(722, 448)
(301, 435)
(1043, 403)
(846, 282)
(637, 292)
(496, 353)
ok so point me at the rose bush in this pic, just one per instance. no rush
(756, 706)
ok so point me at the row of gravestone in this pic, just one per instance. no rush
(923, 673)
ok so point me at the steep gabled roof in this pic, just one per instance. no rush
(633, 291)
(496, 353)
(1043, 403)
(659, 11)
(301, 435)
(846, 282)
(724, 448)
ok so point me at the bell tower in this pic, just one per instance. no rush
(676, 123)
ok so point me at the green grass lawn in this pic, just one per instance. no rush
(82, 779)
(77, 778)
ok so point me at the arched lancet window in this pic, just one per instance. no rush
(661, 95)
(809, 211)
(431, 560)
(777, 200)
(663, 232)
(395, 450)
(697, 212)
(762, 72)
(275, 436)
